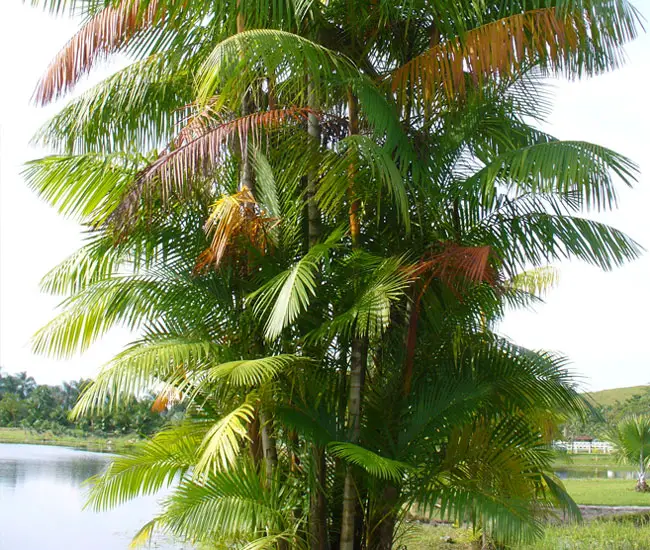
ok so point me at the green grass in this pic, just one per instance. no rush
(80, 441)
(586, 461)
(606, 492)
(628, 533)
(610, 397)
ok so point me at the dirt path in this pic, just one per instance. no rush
(594, 512)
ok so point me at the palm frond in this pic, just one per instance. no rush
(150, 467)
(175, 170)
(376, 465)
(85, 187)
(286, 296)
(230, 506)
(252, 372)
(236, 62)
(222, 443)
(555, 39)
(139, 107)
(142, 367)
(562, 167)
(535, 281)
(104, 33)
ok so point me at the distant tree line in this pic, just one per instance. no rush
(26, 404)
(606, 417)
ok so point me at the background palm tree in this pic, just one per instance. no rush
(631, 438)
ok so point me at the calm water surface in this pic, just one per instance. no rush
(41, 501)
(596, 473)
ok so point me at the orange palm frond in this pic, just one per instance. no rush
(201, 120)
(175, 169)
(234, 217)
(542, 37)
(167, 396)
(455, 263)
(104, 33)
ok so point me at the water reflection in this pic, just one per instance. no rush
(42, 498)
(68, 466)
(596, 473)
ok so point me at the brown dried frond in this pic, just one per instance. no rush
(104, 33)
(502, 47)
(234, 218)
(167, 396)
(175, 169)
(200, 121)
(455, 264)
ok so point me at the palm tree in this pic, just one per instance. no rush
(631, 438)
(370, 162)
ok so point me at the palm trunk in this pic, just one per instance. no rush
(319, 538)
(246, 174)
(318, 504)
(641, 484)
(254, 436)
(269, 447)
(383, 532)
(357, 363)
(314, 131)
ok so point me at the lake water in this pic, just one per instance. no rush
(41, 501)
(596, 473)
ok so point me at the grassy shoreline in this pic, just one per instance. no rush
(78, 441)
(590, 461)
(628, 533)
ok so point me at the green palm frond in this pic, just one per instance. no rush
(230, 506)
(540, 238)
(289, 294)
(376, 465)
(561, 167)
(236, 60)
(631, 439)
(86, 187)
(86, 316)
(557, 492)
(252, 372)
(93, 262)
(385, 284)
(140, 106)
(142, 367)
(221, 445)
(150, 467)
(535, 281)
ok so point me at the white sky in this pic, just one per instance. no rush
(599, 320)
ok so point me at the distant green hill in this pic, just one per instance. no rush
(610, 397)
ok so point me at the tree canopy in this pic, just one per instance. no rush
(312, 214)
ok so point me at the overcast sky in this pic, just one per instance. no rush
(599, 320)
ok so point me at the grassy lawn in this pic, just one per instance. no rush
(607, 492)
(623, 534)
(81, 441)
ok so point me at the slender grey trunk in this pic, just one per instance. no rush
(268, 446)
(314, 131)
(357, 359)
(318, 505)
(246, 174)
(350, 495)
